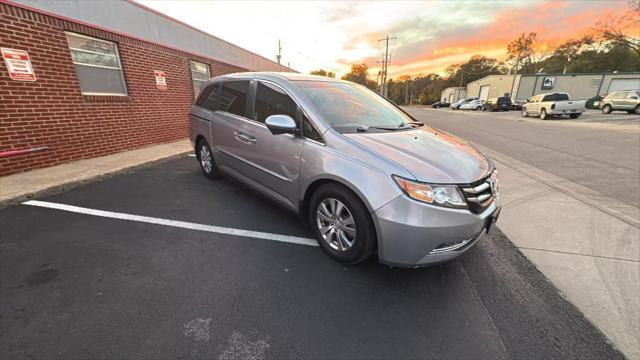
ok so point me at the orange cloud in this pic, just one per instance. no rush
(554, 22)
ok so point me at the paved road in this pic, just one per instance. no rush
(600, 152)
(77, 286)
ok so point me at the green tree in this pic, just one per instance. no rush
(322, 72)
(360, 74)
(615, 29)
(477, 67)
(521, 52)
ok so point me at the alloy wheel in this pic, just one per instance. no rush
(205, 159)
(336, 224)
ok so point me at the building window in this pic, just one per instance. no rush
(199, 74)
(97, 65)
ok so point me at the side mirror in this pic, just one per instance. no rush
(633, 97)
(281, 124)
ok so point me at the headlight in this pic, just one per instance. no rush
(443, 195)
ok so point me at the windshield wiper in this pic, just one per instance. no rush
(365, 128)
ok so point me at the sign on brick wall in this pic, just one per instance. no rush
(18, 64)
(161, 79)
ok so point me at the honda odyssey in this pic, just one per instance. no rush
(366, 176)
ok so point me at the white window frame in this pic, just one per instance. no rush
(195, 95)
(117, 56)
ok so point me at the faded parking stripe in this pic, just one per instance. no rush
(175, 223)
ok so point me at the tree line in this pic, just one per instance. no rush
(607, 49)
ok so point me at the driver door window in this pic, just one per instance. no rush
(272, 100)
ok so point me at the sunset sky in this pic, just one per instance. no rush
(431, 34)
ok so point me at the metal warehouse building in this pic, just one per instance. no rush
(453, 94)
(84, 79)
(579, 86)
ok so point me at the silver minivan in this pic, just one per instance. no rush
(367, 176)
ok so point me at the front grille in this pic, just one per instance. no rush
(479, 194)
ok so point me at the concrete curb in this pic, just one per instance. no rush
(59, 188)
(62, 186)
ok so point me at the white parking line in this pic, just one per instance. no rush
(192, 155)
(175, 223)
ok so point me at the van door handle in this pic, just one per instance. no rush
(247, 139)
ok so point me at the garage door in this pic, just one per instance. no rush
(484, 92)
(624, 84)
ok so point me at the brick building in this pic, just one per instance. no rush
(109, 76)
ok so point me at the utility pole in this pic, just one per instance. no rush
(385, 64)
(461, 76)
(279, 56)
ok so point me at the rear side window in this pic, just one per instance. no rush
(233, 97)
(504, 100)
(208, 98)
(556, 97)
(272, 100)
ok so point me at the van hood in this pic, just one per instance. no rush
(431, 155)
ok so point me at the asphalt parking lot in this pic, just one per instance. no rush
(112, 284)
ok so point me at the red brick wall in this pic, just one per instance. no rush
(52, 112)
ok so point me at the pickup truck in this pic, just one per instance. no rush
(553, 104)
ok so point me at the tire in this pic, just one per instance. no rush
(363, 241)
(478, 108)
(523, 113)
(607, 109)
(207, 163)
(543, 114)
(574, 116)
(636, 109)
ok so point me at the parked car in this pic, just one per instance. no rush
(365, 175)
(472, 105)
(594, 102)
(440, 104)
(502, 103)
(628, 101)
(457, 104)
(517, 104)
(553, 104)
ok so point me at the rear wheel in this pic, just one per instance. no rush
(342, 224)
(606, 109)
(543, 114)
(478, 108)
(574, 116)
(637, 109)
(207, 163)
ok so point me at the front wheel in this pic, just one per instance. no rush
(636, 110)
(574, 116)
(606, 109)
(478, 108)
(207, 163)
(543, 114)
(524, 113)
(342, 224)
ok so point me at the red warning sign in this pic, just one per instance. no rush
(18, 64)
(161, 79)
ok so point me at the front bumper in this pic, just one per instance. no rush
(413, 234)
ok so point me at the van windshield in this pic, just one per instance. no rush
(350, 107)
